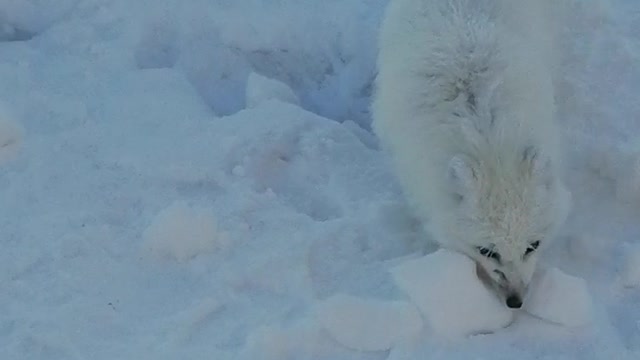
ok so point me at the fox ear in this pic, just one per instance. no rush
(538, 165)
(462, 175)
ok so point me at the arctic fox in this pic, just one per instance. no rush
(464, 103)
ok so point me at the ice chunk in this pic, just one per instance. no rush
(559, 298)
(260, 89)
(445, 287)
(368, 324)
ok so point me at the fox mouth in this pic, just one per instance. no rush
(484, 277)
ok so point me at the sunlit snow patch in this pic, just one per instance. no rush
(274, 342)
(181, 232)
(368, 324)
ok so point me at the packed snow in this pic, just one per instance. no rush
(194, 180)
(441, 285)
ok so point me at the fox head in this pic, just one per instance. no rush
(504, 214)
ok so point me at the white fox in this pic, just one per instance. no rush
(464, 103)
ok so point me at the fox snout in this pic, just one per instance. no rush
(514, 301)
(510, 287)
(514, 294)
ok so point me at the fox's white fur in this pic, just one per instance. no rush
(464, 103)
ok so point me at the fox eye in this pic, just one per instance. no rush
(489, 253)
(532, 247)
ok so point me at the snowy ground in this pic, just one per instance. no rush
(155, 204)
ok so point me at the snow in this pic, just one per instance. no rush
(628, 184)
(11, 134)
(368, 324)
(631, 268)
(23, 19)
(559, 298)
(441, 284)
(590, 249)
(151, 209)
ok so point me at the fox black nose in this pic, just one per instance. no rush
(514, 302)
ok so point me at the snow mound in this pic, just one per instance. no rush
(631, 272)
(261, 89)
(181, 232)
(368, 324)
(559, 298)
(10, 138)
(446, 289)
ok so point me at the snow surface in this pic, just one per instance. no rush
(125, 108)
(441, 285)
(368, 324)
